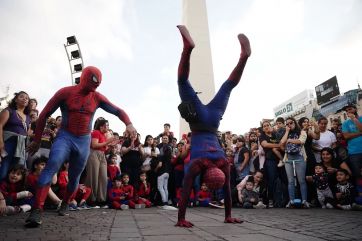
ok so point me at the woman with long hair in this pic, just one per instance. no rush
(14, 125)
(295, 160)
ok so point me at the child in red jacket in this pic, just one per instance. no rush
(112, 168)
(204, 196)
(82, 194)
(129, 190)
(32, 180)
(142, 193)
(17, 199)
(117, 195)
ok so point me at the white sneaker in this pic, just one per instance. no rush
(25, 208)
(124, 207)
(170, 208)
(290, 205)
(329, 206)
(324, 207)
(137, 206)
(271, 204)
(305, 204)
(346, 207)
(260, 205)
(281, 163)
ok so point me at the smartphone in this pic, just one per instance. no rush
(3, 153)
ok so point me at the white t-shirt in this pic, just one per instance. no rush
(147, 151)
(326, 139)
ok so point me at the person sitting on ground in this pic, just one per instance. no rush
(204, 196)
(142, 192)
(248, 197)
(128, 190)
(259, 187)
(345, 192)
(117, 195)
(320, 180)
(79, 200)
(17, 198)
(38, 166)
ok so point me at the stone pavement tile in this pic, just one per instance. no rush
(250, 237)
(227, 229)
(288, 235)
(129, 229)
(164, 230)
(204, 235)
(121, 236)
(173, 237)
(126, 239)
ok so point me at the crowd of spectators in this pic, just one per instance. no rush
(292, 164)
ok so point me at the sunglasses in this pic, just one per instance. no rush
(290, 123)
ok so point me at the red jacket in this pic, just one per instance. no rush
(9, 191)
(115, 194)
(112, 171)
(129, 190)
(142, 192)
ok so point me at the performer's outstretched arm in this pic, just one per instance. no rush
(52, 105)
(106, 105)
(193, 171)
(227, 190)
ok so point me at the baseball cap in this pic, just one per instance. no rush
(349, 105)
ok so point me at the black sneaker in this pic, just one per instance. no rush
(63, 210)
(34, 219)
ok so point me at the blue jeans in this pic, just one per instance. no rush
(9, 161)
(355, 163)
(66, 147)
(300, 168)
(271, 170)
(162, 186)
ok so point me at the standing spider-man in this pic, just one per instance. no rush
(78, 105)
(204, 120)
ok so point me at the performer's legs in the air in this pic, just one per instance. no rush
(221, 98)
(187, 93)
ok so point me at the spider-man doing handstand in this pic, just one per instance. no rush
(206, 152)
(78, 105)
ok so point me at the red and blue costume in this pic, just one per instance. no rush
(206, 152)
(78, 105)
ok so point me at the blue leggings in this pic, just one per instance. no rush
(66, 147)
(9, 160)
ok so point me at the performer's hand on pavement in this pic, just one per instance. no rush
(232, 220)
(2, 207)
(184, 223)
(131, 130)
(33, 147)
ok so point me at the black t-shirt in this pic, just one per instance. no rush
(269, 154)
(332, 180)
(131, 159)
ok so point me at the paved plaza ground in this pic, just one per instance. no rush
(158, 224)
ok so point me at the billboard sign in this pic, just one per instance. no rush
(294, 104)
(327, 90)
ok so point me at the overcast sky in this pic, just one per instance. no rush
(296, 45)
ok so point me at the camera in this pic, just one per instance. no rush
(52, 126)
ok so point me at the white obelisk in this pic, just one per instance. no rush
(194, 16)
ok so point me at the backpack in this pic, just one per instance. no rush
(292, 148)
